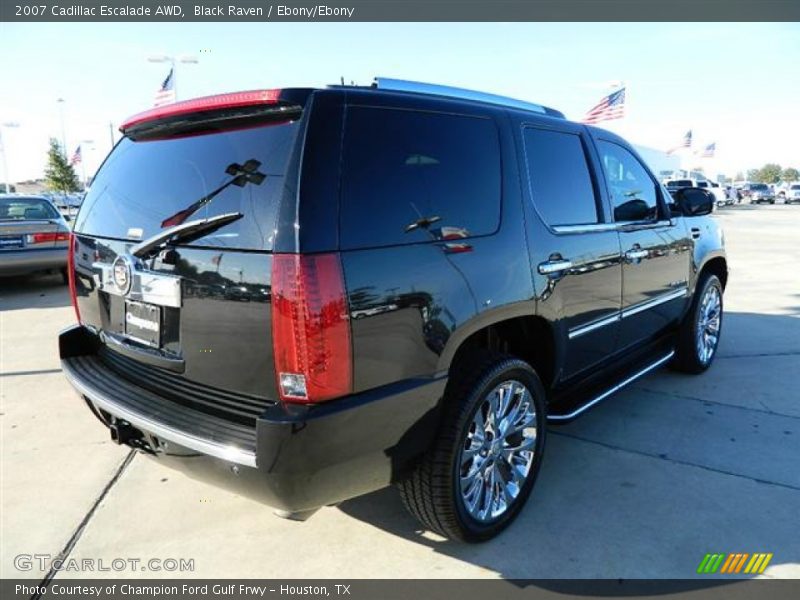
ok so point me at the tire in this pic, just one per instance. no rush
(693, 353)
(434, 493)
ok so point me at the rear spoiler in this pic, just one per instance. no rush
(226, 111)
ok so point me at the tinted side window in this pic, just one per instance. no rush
(417, 176)
(633, 191)
(561, 186)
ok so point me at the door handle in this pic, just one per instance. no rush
(636, 254)
(695, 233)
(554, 266)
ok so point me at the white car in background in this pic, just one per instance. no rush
(791, 194)
(720, 195)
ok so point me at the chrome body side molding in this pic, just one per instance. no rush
(630, 311)
(648, 304)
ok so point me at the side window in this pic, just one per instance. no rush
(561, 186)
(417, 176)
(633, 192)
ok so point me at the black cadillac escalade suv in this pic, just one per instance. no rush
(309, 294)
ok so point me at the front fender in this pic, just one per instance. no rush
(709, 244)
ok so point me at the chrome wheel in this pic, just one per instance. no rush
(497, 455)
(708, 324)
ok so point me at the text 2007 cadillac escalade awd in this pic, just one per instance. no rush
(308, 294)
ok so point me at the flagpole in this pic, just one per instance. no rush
(174, 78)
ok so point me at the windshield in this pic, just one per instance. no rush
(22, 209)
(758, 186)
(147, 186)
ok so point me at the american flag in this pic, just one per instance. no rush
(76, 157)
(610, 107)
(166, 93)
(708, 151)
(685, 143)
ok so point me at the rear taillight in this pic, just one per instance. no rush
(71, 275)
(49, 236)
(310, 328)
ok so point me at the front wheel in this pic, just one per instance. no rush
(480, 471)
(699, 334)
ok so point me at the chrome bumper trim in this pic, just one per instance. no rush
(159, 430)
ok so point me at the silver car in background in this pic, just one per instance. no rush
(34, 236)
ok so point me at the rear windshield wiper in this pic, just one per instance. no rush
(182, 232)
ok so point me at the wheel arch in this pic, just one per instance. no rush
(717, 265)
(528, 337)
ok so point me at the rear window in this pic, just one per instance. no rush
(22, 209)
(143, 185)
(795, 187)
(417, 176)
(679, 183)
(758, 186)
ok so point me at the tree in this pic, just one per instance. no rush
(739, 176)
(59, 174)
(753, 175)
(769, 173)
(790, 174)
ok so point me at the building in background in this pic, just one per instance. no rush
(664, 165)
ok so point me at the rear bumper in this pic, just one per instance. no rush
(14, 262)
(299, 458)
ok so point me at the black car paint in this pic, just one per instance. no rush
(412, 308)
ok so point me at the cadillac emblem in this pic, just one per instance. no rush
(122, 274)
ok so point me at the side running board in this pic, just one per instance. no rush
(557, 418)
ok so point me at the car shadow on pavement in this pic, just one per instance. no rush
(665, 471)
(33, 291)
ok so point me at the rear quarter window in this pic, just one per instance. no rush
(412, 177)
(558, 173)
(143, 184)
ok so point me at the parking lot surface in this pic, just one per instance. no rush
(643, 486)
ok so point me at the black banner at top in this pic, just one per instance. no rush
(397, 10)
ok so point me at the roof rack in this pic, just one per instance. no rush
(401, 85)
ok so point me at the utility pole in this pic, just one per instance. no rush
(63, 129)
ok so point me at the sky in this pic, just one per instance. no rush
(736, 84)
